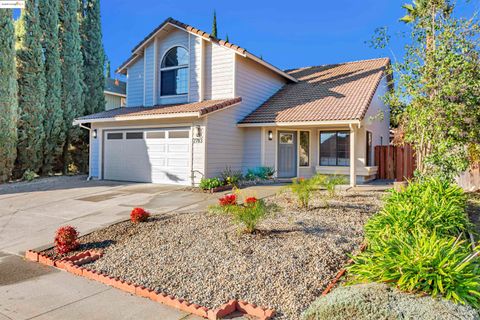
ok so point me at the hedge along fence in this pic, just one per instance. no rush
(418, 242)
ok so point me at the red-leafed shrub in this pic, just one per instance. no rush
(228, 200)
(66, 239)
(139, 215)
(251, 200)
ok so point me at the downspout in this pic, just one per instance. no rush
(89, 135)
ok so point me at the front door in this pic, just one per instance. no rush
(287, 154)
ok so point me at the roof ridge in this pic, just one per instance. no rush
(339, 63)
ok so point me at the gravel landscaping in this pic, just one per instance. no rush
(203, 258)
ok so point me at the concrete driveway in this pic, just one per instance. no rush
(31, 212)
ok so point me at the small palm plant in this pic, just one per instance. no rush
(331, 182)
(303, 188)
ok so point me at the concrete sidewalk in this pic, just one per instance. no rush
(29, 216)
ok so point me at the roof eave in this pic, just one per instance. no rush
(135, 118)
(300, 123)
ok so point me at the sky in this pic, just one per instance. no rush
(288, 34)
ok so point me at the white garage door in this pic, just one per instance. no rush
(148, 155)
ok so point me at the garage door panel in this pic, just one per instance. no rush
(148, 156)
(178, 148)
(182, 163)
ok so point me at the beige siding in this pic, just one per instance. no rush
(219, 71)
(135, 84)
(377, 121)
(227, 144)
(112, 101)
(149, 62)
(195, 67)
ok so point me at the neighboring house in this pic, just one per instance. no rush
(196, 104)
(115, 93)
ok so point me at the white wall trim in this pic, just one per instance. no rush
(201, 85)
(262, 146)
(234, 76)
(309, 148)
(115, 94)
(149, 117)
(189, 70)
(155, 71)
(299, 124)
(144, 75)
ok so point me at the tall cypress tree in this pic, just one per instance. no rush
(214, 24)
(108, 70)
(53, 122)
(31, 90)
(93, 57)
(8, 96)
(72, 75)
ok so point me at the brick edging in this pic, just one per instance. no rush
(340, 273)
(74, 264)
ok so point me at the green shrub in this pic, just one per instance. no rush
(378, 301)
(432, 205)
(29, 175)
(250, 213)
(422, 261)
(331, 182)
(210, 183)
(303, 188)
(231, 177)
(250, 176)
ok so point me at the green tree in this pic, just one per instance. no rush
(53, 122)
(226, 38)
(72, 76)
(93, 58)
(214, 24)
(437, 96)
(31, 90)
(8, 96)
(108, 70)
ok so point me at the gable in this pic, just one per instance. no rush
(172, 23)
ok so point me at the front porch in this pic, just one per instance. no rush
(303, 151)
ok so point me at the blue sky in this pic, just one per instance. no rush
(288, 34)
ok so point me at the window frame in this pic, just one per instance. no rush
(309, 148)
(179, 67)
(368, 148)
(336, 148)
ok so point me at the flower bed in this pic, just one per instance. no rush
(284, 265)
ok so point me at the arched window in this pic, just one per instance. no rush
(174, 72)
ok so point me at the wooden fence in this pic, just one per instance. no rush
(395, 163)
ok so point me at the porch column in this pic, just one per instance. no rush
(353, 171)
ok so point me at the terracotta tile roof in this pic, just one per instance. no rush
(201, 108)
(330, 92)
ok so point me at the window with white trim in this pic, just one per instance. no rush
(304, 149)
(174, 72)
(334, 148)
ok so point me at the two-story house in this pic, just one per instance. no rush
(196, 104)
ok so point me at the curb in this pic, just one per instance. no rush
(340, 274)
(74, 265)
